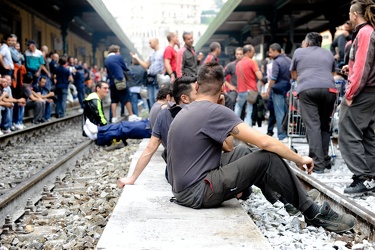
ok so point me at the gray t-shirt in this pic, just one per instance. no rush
(314, 66)
(195, 142)
(161, 126)
(155, 109)
(156, 62)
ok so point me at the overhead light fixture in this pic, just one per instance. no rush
(56, 7)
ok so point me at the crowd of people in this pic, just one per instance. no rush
(204, 107)
(39, 80)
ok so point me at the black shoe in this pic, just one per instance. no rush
(359, 186)
(36, 122)
(332, 221)
(270, 134)
(41, 120)
(328, 162)
(246, 193)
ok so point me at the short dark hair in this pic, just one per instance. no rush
(214, 46)
(62, 60)
(184, 34)
(43, 77)
(163, 92)
(275, 46)
(113, 48)
(182, 86)
(314, 39)
(100, 84)
(210, 78)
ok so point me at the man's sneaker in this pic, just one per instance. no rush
(134, 118)
(314, 194)
(18, 126)
(1, 133)
(359, 186)
(7, 131)
(332, 221)
(291, 210)
(114, 120)
(115, 145)
(285, 140)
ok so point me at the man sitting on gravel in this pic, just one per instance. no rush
(198, 180)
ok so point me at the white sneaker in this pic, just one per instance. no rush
(134, 118)
(1, 133)
(114, 119)
(80, 110)
(285, 140)
(7, 131)
(18, 126)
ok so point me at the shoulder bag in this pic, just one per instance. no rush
(252, 95)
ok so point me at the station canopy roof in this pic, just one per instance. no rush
(238, 22)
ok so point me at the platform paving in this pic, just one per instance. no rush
(144, 218)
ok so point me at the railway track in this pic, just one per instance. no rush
(33, 158)
(342, 203)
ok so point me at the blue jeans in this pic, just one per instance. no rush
(18, 113)
(152, 91)
(61, 102)
(279, 104)
(134, 102)
(47, 113)
(6, 118)
(80, 94)
(241, 99)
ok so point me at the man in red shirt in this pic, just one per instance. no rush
(170, 55)
(248, 72)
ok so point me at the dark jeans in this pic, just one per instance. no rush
(316, 110)
(356, 134)
(122, 131)
(260, 168)
(233, 96)
(81, 94)
(61, 95)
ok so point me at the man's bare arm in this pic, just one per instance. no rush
(142, 162)
(246, 133)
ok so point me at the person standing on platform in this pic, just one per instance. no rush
(248, 73)
(187, 63)
(230, 69)
(63, 78)
(154, 66)
(116, 66)
(280, 85)
(170, 55)
(357, 115)
(313, 68)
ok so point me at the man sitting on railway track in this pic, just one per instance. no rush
(198, 180)
(112, 133)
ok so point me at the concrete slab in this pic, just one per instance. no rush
(144, 218)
